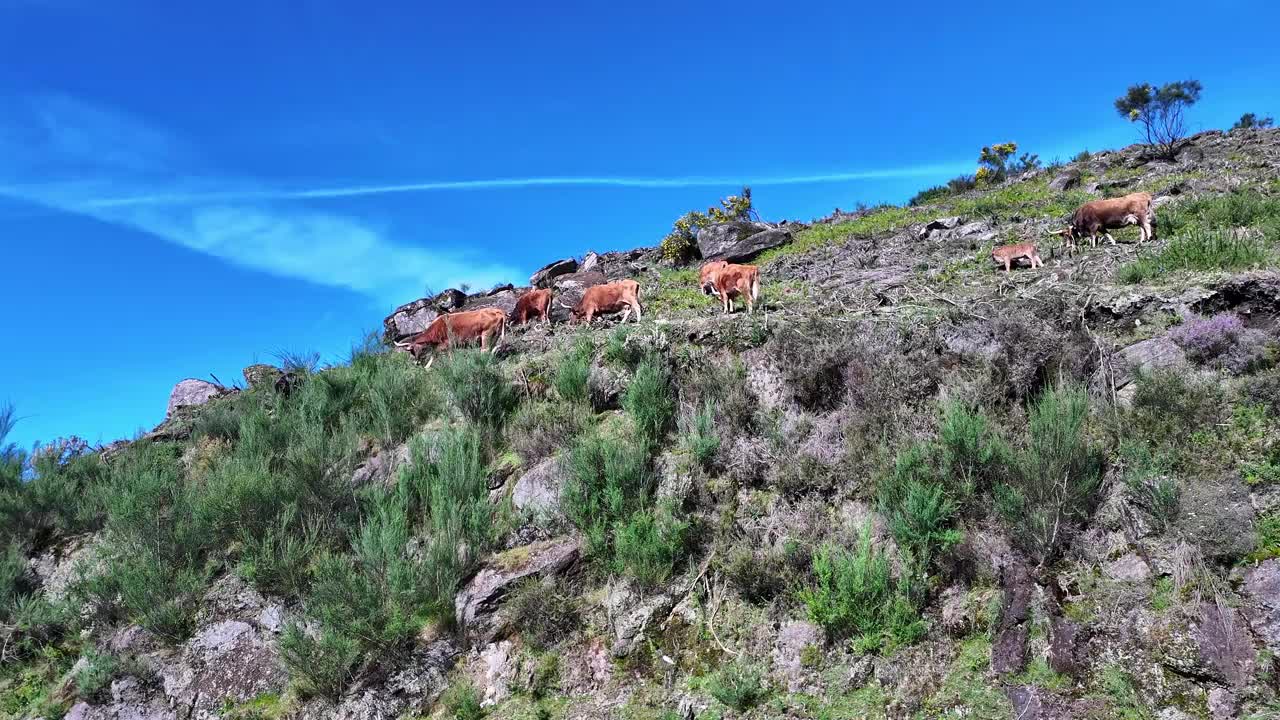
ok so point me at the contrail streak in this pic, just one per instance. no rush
(526, 182)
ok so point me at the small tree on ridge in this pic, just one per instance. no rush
(1160, 112)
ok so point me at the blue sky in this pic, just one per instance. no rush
(186, 190)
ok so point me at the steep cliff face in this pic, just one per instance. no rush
(913, 486)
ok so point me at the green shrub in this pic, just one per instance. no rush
(648, 400)
(973, 453)
(394, 396)
(758, 574)
(619, 349)
(739, 685)
(323, 663)
(699, 438)
(573, 373)
(460, 524)
(854, 595)
(13, 571)
(1150, 482)
(478, 388)
(609, 479)
(1057, 472)
(544, 613)
(275, 561)
(918, 505)
(462, 702)
(648, 544)
(95, 675)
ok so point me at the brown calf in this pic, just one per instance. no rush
(1009, 253)
(621, 295)
(455, 328)
(707, 276)
(738, 280)
(532, 305)
(1103, 215)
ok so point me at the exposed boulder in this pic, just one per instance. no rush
(409, 319)
(1262, 587)
(1217, 515)
(59, 566)
(381, 467)
(538, 490)
(1209, 641)
(1129, 568)
(739, 241)
(449, 300)
(227, 662)
(543, 276)
(633, 614)
(192, 392)
(261, 375)
(1065, 180)
(589, 262)
(605, 386)
(131, 699)
(1155, 353)
(477, 605)
(504, 300)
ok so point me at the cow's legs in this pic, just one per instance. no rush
(637, 306)
(1109, 238)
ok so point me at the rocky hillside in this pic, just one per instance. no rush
(914, 487)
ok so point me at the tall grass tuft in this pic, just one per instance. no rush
(1201, 250)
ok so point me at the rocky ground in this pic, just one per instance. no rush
(1142, 580)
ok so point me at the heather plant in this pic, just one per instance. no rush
(738, 685)
(1222, 341)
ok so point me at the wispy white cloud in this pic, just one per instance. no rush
(349, 191)
(66, 155)
(93, 161)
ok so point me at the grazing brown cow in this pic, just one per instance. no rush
(1009, 253)
(1103, 215)
(707, 276)
(738, 281)
(455, 328)
(621, 295)
(532, 305)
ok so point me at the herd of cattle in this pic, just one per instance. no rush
(728, 281)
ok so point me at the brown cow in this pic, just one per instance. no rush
(707, 276)
(1009, 253)
(454, 328)
(738, 281)
(531, 305)
(1103, 215)
(621, 295)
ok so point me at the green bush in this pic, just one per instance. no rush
(681, 243)
(699, 438)
(1168, 407)
(572, 374)
(275, 561)
(1057, 472)
(462, 702)
(95, 675)
(620, 350)
(918, 506)
(854, 595)
(13, 571)
(478, 388)
(648, 544)
(738, 685)
(1150, 482)
(609, 479)
(323, 663)
(973, 453)
(460, 524)
(648, 400)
